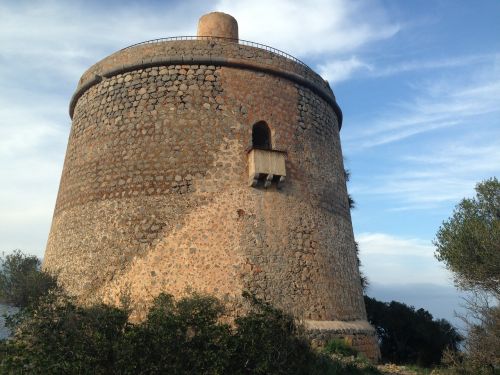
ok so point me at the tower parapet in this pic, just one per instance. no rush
(213, 165)
(206, 50)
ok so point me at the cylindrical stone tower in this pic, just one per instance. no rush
(204, 164)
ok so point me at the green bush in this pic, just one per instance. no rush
(182, 337)
(340, 347)
(463, 364)
(267, 341)
(410, 336)
(60, 337)
(57, 336)
(21, 280)
(469, 245)
(52, 334)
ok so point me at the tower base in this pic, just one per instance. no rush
(359, 334)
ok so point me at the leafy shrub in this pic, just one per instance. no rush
(59, 337)
(186, 337)
(463, 364)
(182, 337)
(21, 280)
(340, 347)
(469, 245)
(408, 335)
(55, 335)
(267, 341)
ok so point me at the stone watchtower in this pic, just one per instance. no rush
(209, 164)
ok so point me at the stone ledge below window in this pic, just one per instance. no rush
(266, 167)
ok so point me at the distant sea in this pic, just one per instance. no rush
(5, 310)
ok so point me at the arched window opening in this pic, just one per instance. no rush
(261, 136)
(266, 166)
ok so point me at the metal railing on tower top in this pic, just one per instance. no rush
(239, 41)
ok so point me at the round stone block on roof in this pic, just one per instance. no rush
(218, 24)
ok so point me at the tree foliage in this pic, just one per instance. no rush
(21, 280)
(177, 337)
(267, 341)
(469, 242)
(410, 336)
(58, 336)
(482, 346)
(481, 354)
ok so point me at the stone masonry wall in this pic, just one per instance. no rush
(154, 194)
(173, 135)
(189, 50)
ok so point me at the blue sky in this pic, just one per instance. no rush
(418, 82)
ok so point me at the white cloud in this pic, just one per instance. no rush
(387, 258)
(311, 26)
(26, 126)
(430, 64)
(46, 46)
(386, 244)
(65, 38)
(340, 70)
(31, 151)
(27, 198)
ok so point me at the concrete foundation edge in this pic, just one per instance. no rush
(359, 334)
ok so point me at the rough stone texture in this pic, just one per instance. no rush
(211, 51)
(358, 334)
(154, 193)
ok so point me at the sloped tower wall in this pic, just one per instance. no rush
(155, 194)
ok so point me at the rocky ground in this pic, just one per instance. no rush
(386, 369)
(392, 369)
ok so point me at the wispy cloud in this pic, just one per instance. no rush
(387, 258)
(446, 135)
(32, 143)
(46, 46)
(340, 70)
(65, 38)
(428, 64)
(437, 176)
(386, 244)
(312, 26)
(435, 105)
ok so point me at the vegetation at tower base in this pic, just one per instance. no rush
(53, 334)
(469, 245)
(188, 336)
(410, 336)
(57, 336)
